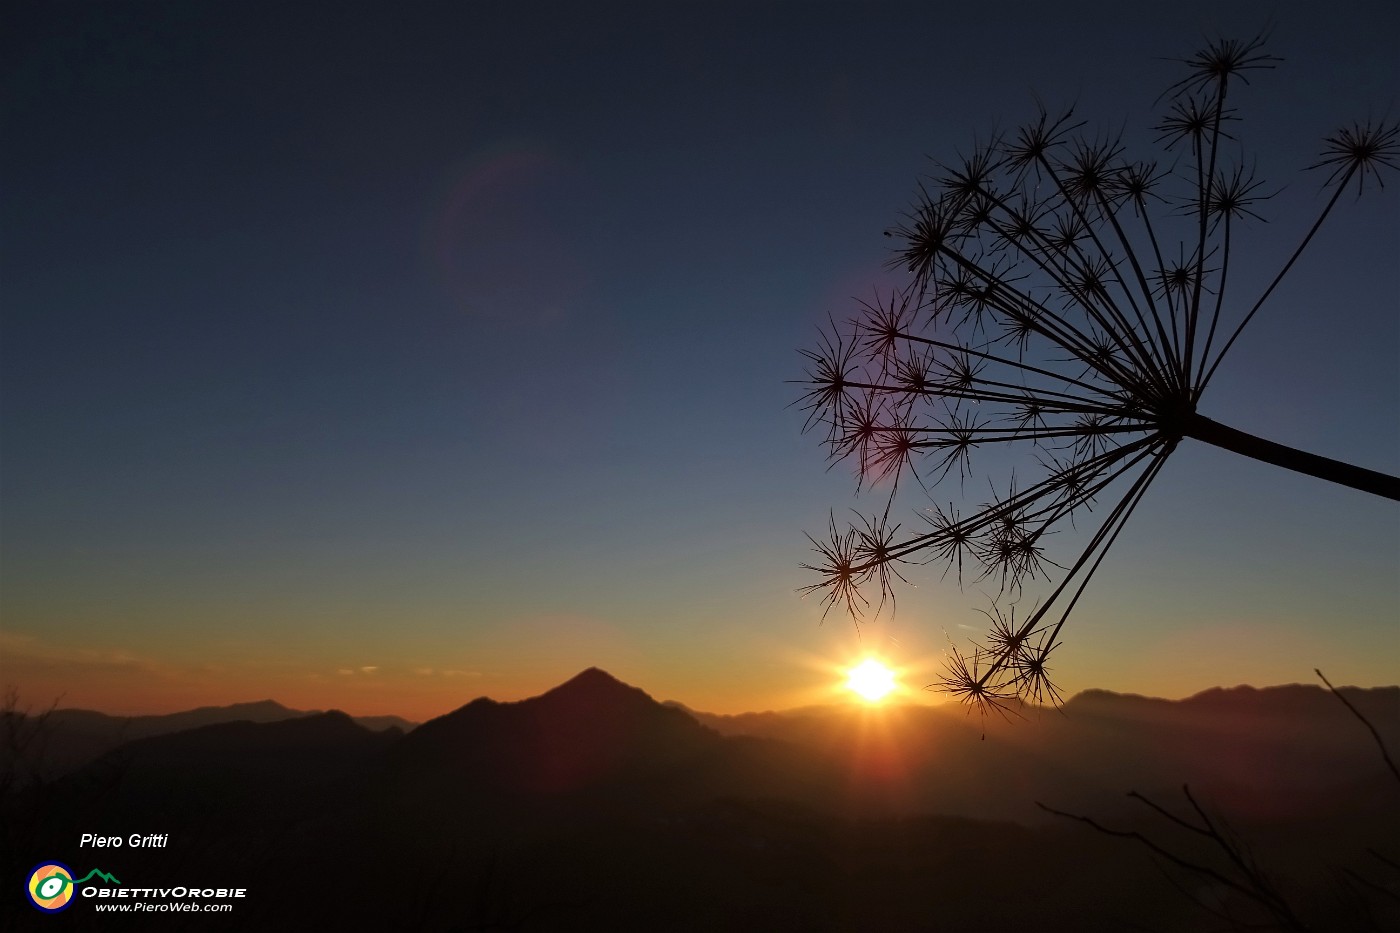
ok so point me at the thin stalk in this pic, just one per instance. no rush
(960, 348)
(1085, 301)
(1087, 407)
(974, 525)
(1219, 300)
(1157, 253)
(1204, 182)
(1013, 435)
(1107, 531)
(1278, 278)
(1081, 346)
(1159, 352)
(1090, 230)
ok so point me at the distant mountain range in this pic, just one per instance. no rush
(1299, 739)
(73, 737)
(593, 806)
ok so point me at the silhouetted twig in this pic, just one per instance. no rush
(1246, 878)
(1385, 752)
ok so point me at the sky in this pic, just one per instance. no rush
(380, 356)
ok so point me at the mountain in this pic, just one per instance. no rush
(1381, 705)
(71, 738)
(221, 797)
(231, 762)
(586, 732)
(1298, 740)
(594, 807)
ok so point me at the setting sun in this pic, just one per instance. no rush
(871, 679)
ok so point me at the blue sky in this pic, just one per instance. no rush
(383, 355)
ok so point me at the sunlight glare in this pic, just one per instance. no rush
(871, 679)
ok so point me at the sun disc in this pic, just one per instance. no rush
(871, 680)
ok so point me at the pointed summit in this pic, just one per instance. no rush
(596, 703)
(593, 687)
(592, 676)
(589, 730)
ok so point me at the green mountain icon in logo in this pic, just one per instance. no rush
(99, 873)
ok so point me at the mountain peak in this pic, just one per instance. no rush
(583, 733)
(594, 686)
(593, 678)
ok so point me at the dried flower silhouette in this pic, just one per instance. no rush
(1073, 301)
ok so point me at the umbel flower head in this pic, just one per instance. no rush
(1069, 299)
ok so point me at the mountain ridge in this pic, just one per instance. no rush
(267, 709)
(77, 737)
(620, 812)
(74, 737)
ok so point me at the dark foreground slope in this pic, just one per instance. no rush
(593, 807)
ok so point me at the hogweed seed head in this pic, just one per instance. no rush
(1064, 298)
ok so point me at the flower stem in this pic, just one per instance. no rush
(1290, 458)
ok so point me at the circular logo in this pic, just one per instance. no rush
(50, 887)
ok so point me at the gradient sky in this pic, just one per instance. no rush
(383, 355)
